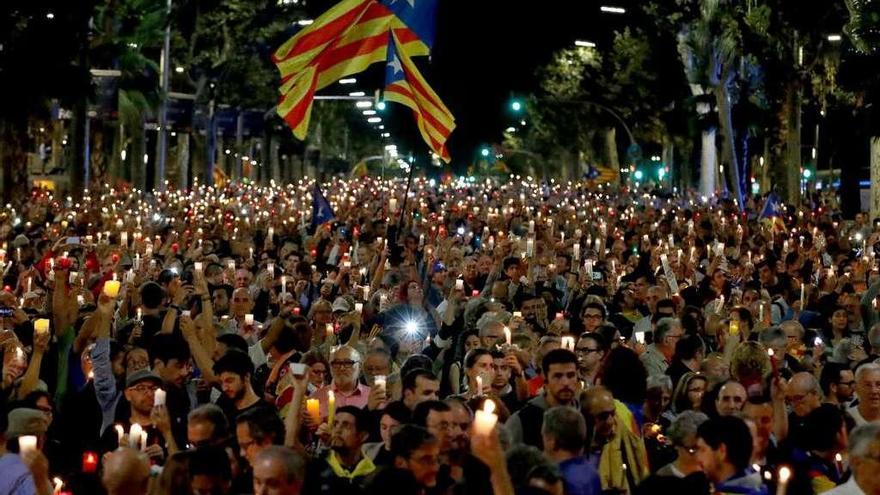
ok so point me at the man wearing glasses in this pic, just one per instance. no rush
(590, 350)
(864, 443)
(593, 316)
(345, 369)
(658, 355)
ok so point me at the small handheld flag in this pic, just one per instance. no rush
(321, 210)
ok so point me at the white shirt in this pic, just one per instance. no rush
(857, 416)
(848, 488)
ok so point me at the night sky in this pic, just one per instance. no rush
(487, 51)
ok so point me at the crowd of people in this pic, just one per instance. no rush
(465, 337)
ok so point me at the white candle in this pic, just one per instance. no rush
(159, 397)
(784, 476)
(379, 381)
(270, 269)
(568, 343)
(143, 441)
(576, 254)
(802, 296)
(248, 319)
(359, 307)
(270, 234)
(331, 407)
(283, 284)
(392, 205)
(459, 284)
(485, 419)
(198, 266)
(124, 238)
(530, 247)
(120, 434)
(531, 226)
(479, 382)
(507, 334)
(134, 435)
(27, 443)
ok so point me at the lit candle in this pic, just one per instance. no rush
(58, 484)
(270, 234)
(313, 407)
(568, 343)
(459, 284)
(485, 419)
(30, 283)
(159, 397)
(41, 326)
(120, 434)
(140, 314)
(531, 226)
(560, 315)
(283, 285)
(248, 320)
(89, 462)
(359, 307)
(530, 247)
(198, 266)
(111, 288)
(124, 238)
(27, 443)
(576, 254)
(507, 334)
(784, 476)
(392, 205)
(143, 441)
(517, 314)
(270, 269)
(802, 296)
(134, 435)
(479, 382)
(380, 381)
(331, 407)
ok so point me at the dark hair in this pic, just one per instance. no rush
(471, 358)
(408, 439)
(233, 341)
(688, 346)
(511, 261)
(152, 295)
(361, 417)
(210, 413)
(210, 461)
(597, 338)
(263, 423)
(168, 346)
(831, 375)
(412, 376)
(286, 341)
(557, 356)
(234, 362)
(423, 409)
(734, 434)
(624, 375)
(824, 424)
(398, 411)
(415, 362)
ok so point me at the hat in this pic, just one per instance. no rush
(20, 241)
(26, 421)
(341, 304)
(141, 375)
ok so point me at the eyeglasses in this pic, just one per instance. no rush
(144, 388)
(848, 384)
(592, 316)
(585, 350)
(343, 364)
(443, 425)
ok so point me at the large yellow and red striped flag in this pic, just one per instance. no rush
(345, 40)
(404, 84)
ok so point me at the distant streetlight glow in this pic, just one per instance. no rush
(178, 69)
(612, 10)
(364, 104)
(510, 129)
(349, 80)
(369, 112)
(357, 93)
(305, 22)
(585, 44)
(374, 120)
(484, 151)
(50, 16)
(380, 106)
(834, 38)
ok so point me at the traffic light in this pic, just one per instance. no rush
(808, 174)
(516, 106)
(639, 175)
(485, 152)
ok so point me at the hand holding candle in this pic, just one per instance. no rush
(331, 407)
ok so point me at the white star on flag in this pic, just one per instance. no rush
(396, 65)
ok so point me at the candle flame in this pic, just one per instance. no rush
(784, 474)
(489, 407)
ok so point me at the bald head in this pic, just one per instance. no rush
(126, 471)
(599, 408)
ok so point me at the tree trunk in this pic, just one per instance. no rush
(791, 165)
(13, 156)
(708, 163)
(668, 157)
(611, 154)
(728, 148)
(875, 177)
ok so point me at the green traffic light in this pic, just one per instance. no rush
(516, 105)
(380, 106)
(807, 173)
(639, 175)
(484, 151)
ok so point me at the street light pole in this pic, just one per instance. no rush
(165, 79)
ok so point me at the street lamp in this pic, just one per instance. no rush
(485, 152)
(584, 44)
(380, 106)
(516, 105)
(834, 38)
(349, 80)
(612, 10)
